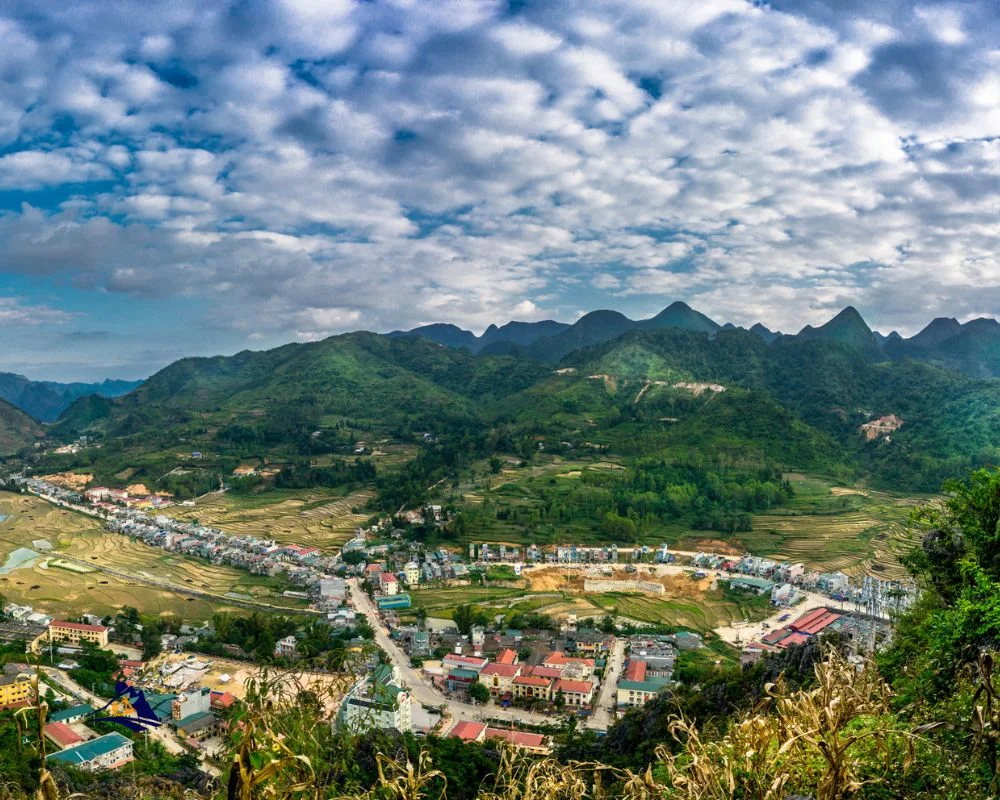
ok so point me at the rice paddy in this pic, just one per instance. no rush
(315, 517)
(61, 586)
(700, 610)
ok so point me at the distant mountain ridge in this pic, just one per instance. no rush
(972, 348)
(46, 400)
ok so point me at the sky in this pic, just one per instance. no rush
(195, 177)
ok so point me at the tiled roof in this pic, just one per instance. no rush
(77, 626)
(468, 731)
(581, 687)
(530, 680)
(636, 670)
(506, 656)
(62, 734)
(518, 738)
(502, 670)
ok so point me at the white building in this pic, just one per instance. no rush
(377, 701)
(286, 647)
(412, 570)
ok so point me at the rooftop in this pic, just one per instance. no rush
(77, 626)
(62, 734)
(71, 712)
(502, 670)
(88, 751)
(468, 731)
(517, 738)
(582, 687)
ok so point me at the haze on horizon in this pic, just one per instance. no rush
(182, 178)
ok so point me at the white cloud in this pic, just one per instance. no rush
(326, 165)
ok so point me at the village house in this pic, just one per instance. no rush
(499, 678)
(578, 693)
(532, 687)
(76, 632)
(105, 752)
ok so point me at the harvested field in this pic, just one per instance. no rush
(58, 586)
(314, 517)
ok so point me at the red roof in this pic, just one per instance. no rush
(62, 734)
(580, 687)
(559, 658)
(373, 568)
(468, 731)
(636, 670)
(502, 670)
(530, 680)
(818, 623)
(77, 626)
(809, 617)
(518, 738)
(458, 658)
(507, 656)
(542, 672)
(222, 699)
(129, 662)
(795, 638)
(388, 577)
(776, 636)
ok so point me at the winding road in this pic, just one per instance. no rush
(429, 696)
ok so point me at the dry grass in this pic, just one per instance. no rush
(58, 591)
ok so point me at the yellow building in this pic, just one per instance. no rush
(77, 632)
(15, 689)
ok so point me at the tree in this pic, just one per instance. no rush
(421, 614)
(479, 693)
(464, 617)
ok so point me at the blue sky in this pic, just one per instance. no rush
(186, 178)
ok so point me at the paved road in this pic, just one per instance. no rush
(608, 698)
(421, 688)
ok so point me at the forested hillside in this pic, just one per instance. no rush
(17, 429)
(674, 388)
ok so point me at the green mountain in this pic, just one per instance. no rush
(677, 385)
(972, 348)
(682, 317)
(363, 376)
(46, 400)
(17, 429)
(848, 328)
(499, 341)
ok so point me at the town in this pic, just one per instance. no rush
(476, 679)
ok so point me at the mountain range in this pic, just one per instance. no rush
(672, 384)
(972, 348)
(46, 400)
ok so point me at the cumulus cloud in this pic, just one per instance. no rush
(313, 167)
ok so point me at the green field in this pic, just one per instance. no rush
(827, 526)
(61, 588)
(704, 613)
(700, 611)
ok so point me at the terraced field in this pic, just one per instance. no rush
(62, 588)
(700, 614)
(440, 602)
(867, 537)
(316, 517)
